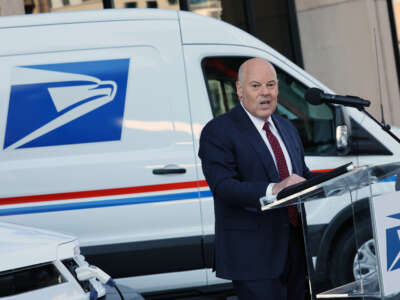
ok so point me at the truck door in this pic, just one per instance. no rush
(115, 165)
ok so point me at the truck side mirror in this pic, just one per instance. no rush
(342, 137)
(343, 131)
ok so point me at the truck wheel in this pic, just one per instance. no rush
(365, 264)
(347, 264)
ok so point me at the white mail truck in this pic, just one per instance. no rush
(100, 118)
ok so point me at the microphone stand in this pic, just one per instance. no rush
(384, 126)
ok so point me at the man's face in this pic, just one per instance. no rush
(258, 89)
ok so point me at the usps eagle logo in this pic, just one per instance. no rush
(393, 246)
(66, 103)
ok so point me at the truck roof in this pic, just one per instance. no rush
(195, 28)
(22, 246)
(84, 16)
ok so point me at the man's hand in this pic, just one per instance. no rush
(292, 179)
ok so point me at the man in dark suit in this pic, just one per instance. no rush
(248, 153)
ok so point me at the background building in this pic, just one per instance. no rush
(350, 45)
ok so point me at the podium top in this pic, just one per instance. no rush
(293, 189)
(352, 179)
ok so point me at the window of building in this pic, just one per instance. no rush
(29, 5)
(45, 6)
(209, 8)
(273, 22)
(152, 4)
(315, 124)
(130, 4)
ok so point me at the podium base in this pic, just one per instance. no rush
(360, 288)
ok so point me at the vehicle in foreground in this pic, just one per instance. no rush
(40, 264)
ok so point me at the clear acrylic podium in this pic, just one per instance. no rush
(363, 259)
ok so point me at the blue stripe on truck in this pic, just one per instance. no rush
(115, 202)
(103, 203)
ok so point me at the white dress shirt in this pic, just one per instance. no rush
(259, 124)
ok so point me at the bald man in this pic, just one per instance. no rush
(247, 153)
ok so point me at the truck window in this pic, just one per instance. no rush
(314, 123)
(28, 279)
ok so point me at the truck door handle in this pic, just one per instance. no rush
(169, 169)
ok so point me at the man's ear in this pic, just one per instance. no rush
(239, 90)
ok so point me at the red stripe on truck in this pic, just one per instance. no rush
(111, 192)
(105, 192)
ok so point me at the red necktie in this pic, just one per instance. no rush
(282, 168)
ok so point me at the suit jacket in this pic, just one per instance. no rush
(249, 244)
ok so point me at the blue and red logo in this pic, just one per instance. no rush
(393, 246)
(66, 103)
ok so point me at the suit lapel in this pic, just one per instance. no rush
(253, 138)
(285, 135)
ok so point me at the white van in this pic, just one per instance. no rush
(101, 113)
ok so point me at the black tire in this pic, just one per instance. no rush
(344, 252)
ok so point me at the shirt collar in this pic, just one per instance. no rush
(259, 123)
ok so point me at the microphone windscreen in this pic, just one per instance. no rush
(313, 96)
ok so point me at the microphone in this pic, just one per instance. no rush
(316, 96)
